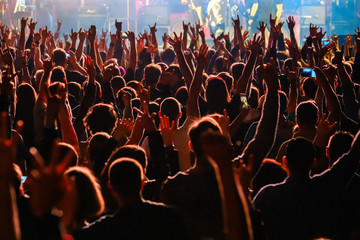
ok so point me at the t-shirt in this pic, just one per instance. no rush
(145, 220)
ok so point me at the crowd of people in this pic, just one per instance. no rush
(111, 136)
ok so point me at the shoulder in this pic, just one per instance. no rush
(265, 193)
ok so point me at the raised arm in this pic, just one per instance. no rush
(264, 138)
(332, 102)
(243, 82)
(184, 67)
(192, 106)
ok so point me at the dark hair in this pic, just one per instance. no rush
(283, 103)
(217, 95)
(126, 176)
(339, 143)
(182, 95)
(300, 154)
(309, 88)
(199, 128)
(96, 144)
(152, 74)
(89, 198)
(58, 74)
(270, 172)
(101, 118)
(117, 83)
(229, 80)
(59, 57)
(64, 149)
(307, 113)
(168, 56)
(171, 108)
(74, 89)
(236, 70)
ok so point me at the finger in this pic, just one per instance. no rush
(173, 125)
(65, 163)
(54, 155)
(145, 108)
(138, 111)
(37, 160)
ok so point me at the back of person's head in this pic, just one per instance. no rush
(300, 154)
(37, 78)
(182, 95)
(168, 56)
(152, 74)
(217, 94)
(348, 68)
(101, 118)
(64, 149)
(133, 84)
(198, 128)
(26, 97)
(339, 143)
(145, 57)
(236, 70)
(170, 107)
(96, 144)
(229, 80)
(119, 96)
(74, 89)
(219, 64)
(90, 202)
(117, 83)
(59, 57)
(126, 177)
(309, 87)
(270, 172)
(58, 74)
(307, 114)
(288, 63)
(129, 151)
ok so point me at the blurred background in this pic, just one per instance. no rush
(334, 16)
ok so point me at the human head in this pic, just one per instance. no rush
(197, 129)
(58, 74)
(300, 155)
(307, 114)
(339, 143)
(126, 178)
(117, 83)
(309, 87)
(89, 198)
(182, 95)
(152, 74)
(101, 118)
(59, 57)
(96, 143)
(217, 95)
(168, 56)
(171, 107)
(236, 69)
(229, 80)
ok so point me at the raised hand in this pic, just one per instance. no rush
(203, 55)
(66, 36)
(339, 55)
(108, 73)
(255, 45)
(145, 118)
(313, 30)
(176, 42)
(165, 37)
(90, 69)
(153, 28)
(82, 35)
(123, 128)
(92, 33)
(7, 57)
(143, 93)
(8, 82)
(320, 79)
(236, 22)
(269, 73)
(320, 35)
(357, 32)
(291, 23)
(24, 22)
(325, 129)
(49, 182)
(32, 26)
(262, 26)
(292, 76)
(273, 21)
(131, 36)
(185, 26)
(167, 130)
(245, 35)
(118, 25)
(73, 36)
